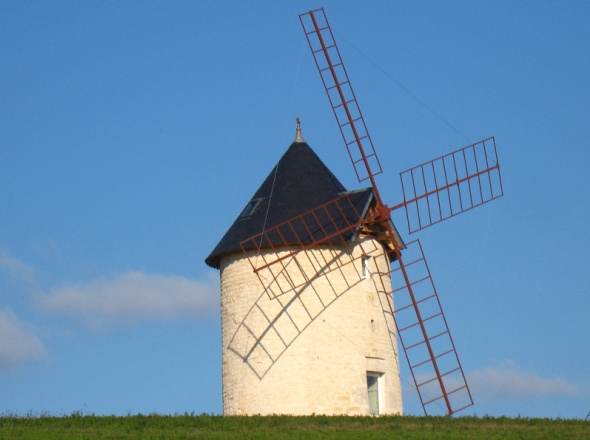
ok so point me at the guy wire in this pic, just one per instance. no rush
(404, 88)
(284, 131)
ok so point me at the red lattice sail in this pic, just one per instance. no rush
(342, 98)
(451, 184)
(424, 334)
(294, 253)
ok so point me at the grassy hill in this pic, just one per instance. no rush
(78, 426)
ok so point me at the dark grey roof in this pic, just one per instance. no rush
(301, 183)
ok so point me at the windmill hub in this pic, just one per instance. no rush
(384, 213)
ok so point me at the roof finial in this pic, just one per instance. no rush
(298, 137)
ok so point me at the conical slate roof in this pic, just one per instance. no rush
(298, 183)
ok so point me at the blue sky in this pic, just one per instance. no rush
(132, 134)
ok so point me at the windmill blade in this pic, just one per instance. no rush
(291, 254)
(451, 184)
(424, 334)
(342, 98)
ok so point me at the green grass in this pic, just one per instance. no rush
(79, 426)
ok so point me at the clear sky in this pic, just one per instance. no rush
(132, 134)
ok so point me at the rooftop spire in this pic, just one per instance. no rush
(298, 137)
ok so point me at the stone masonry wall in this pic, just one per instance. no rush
(309, 350)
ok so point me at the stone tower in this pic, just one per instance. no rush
(328, 347)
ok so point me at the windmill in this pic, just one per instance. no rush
(343, 241)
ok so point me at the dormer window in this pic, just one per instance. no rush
(251, 207)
